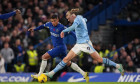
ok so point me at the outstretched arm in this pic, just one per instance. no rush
(72, 27)
(17, 12)
(7, 15)
(37, 28)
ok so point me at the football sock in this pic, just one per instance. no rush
(42, 67)
(75, 67)
(109, 62)
(59, 66)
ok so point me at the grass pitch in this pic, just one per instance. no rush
(70, 83)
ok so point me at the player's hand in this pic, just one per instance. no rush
(18, 11)
(31, 29)
(18, 15)
(62, 34)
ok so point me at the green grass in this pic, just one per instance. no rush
(71, 83)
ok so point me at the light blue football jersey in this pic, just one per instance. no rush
(81, 30)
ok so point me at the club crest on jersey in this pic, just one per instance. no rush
(57, 30)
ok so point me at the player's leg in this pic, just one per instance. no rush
(72, 53)
(77, 50)
(106, 61)
(62, 64)
(66, 61)
(45, 57)
(95, 55)
(75, 67)
(43, 65)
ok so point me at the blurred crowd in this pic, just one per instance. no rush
(128, 56)
(17, 53)
(131, 11)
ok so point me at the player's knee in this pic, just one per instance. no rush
(65, 60)
(100, 60)
(69, 63)
(45, 57)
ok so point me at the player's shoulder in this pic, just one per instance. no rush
(80, 18)
(47, 23)
(60, 24)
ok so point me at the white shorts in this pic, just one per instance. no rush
(85, 47)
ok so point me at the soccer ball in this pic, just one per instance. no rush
(42, 78)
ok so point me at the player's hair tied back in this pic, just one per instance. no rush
(75, 11)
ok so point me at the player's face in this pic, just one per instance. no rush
(54, 22)
(69, 17)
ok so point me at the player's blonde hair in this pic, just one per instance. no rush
(74, 11)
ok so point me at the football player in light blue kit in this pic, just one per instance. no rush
(83, 43)
(59, 49)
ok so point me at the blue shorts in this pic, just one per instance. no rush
(59, 51)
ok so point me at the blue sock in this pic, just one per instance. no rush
(109, 62)
(59, 66)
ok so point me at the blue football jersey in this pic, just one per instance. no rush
(55, 33)
(59, 49)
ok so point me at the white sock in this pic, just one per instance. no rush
(117, 66)
(75, 67)
(42, 67)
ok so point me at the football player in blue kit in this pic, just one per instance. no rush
(59, 49)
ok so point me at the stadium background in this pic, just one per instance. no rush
(113, 27)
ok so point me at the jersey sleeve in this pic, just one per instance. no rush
(71, 28)
(47, 25)
(74, 25)
(39, 27)
(42, 26)
(71, 33)
(66, 33)
(7, 15)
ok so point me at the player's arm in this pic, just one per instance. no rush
(37, 28)
(71, 28)
(71, 32)
(7, 15)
